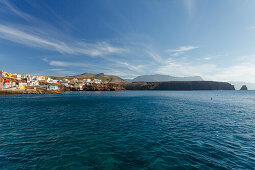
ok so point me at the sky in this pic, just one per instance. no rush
(212, 39)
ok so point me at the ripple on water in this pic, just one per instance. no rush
(128, 130)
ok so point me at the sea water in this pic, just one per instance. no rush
(128, 130)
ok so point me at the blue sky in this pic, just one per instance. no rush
(212, 39)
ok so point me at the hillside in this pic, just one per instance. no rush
(162, 78)
(100, 76)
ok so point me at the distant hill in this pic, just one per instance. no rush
(100, 76)
(162, 78)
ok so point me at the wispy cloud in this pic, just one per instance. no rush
(123, 74)
(42, 35)
(207, 58)
(155, 56)
(68, 64)
(37, 35)
(118, 65)
(135, 68)
(75, 47)
(16, 11)
(61, 72)
(190, 7)
(251, 28)
(180, 50)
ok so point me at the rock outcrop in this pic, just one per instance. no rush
(102, 87)
(244, 87)
(179, 85)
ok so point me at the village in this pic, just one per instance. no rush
(38, 83)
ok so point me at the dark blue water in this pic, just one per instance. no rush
(128, 130)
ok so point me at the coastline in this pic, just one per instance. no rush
(170, 86)
(18, 91)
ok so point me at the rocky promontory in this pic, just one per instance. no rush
(244, 87)
(179, 85)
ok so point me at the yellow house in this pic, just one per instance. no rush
(22, 87)
(42, 78)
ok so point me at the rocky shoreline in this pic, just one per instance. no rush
(27, 91)
(88, 87)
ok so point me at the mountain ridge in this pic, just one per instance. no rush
(164, 78)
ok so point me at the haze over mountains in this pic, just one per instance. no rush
(162, 78)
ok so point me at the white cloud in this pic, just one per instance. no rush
(73, 47)
(120, 73)
(61, 72)
(180, 68)
(190, 7)
(45, 59)
(243, 71)
(17, 11)
(207, 58)
(135, 68)
(68, 64)
(127, 67)
(155, 57)
(41, 35)
(251, 28)
(180, 50)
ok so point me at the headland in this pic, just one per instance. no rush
(11, 83)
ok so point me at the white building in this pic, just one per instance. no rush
(19, 76)
(50, 80)
(54, 88)
(97, 81)
(33, 80)
(65, 83)
(55, 81)
(87, 80)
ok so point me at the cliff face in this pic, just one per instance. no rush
(179, 85)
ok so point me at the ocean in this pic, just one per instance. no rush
(128, 130)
